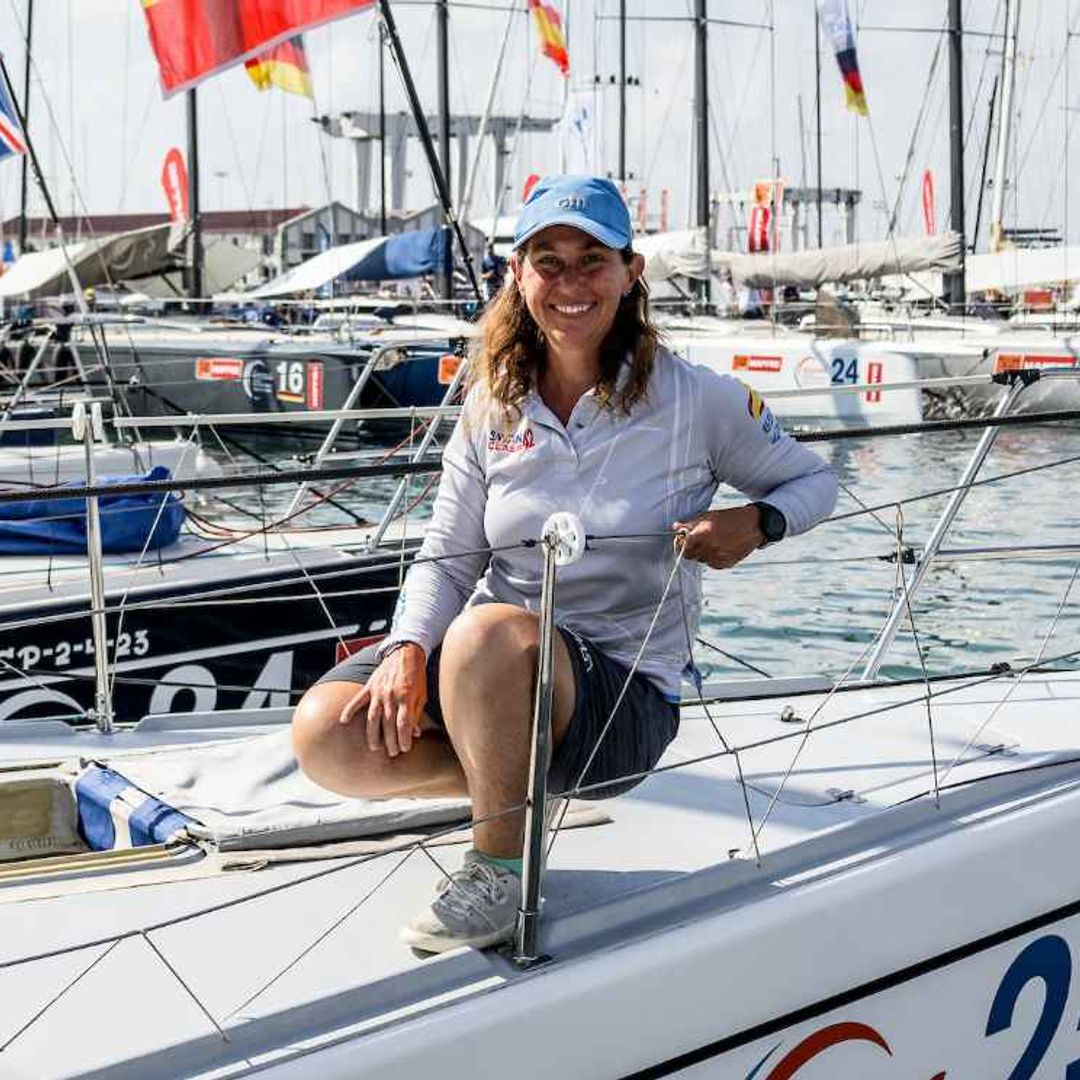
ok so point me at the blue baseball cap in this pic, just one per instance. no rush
(590, 203)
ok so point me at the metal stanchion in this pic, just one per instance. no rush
(908, 590)
(429, 437)
(563, 543)
(86, 430)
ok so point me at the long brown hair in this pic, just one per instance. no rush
(510, 352)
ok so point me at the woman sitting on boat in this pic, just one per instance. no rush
(574, 406)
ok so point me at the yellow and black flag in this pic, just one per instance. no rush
(284, 65)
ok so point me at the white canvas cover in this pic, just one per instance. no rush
(809, 269)
(671, 254)
(1020, 268)
(318, 271)
(135, 254)
(250, 794)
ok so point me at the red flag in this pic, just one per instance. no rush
(929, 217)
(285, 65)
(196, 38)
(174, 179)
(758, 229)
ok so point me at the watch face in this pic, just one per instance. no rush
(773, 523)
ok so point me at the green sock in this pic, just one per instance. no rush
(513, 865)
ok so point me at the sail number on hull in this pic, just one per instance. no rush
(136, 643)
(1028, 1029)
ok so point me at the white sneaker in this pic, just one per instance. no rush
(477, 905)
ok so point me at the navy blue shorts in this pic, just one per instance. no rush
(643, 725)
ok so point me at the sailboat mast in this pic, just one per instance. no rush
(985, 162)
(955, 292)
(565, 92)
(195, 263)
(442, 21)
(622, 89)
(701, 127)
(382, 129)
(1008, 81)
(26, 117)
(817, 118)
(442, 189)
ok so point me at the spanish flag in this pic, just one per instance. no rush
(837, 23)
(285, 65)
(552, 40)
(196, 38)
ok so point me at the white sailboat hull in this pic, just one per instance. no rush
(809, 380)
(896, 962)
(880, 936)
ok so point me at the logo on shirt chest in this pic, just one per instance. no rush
(512, 443)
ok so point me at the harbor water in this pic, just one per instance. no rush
(812, 604)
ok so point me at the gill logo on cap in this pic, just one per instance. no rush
(572, 202)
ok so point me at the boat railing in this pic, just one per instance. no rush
(1017, 383)
(559, 538)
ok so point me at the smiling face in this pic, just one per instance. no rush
(572, 285)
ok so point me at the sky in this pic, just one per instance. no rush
(102, 127)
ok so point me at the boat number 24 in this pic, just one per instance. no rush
(845, 372)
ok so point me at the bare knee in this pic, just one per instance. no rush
(493, 650)
(327, 751)
(499, 639)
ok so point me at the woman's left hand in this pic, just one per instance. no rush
(721, 538)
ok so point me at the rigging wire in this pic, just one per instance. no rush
(326, 932)
(411, 845)
(905, 592)
(1015, 685)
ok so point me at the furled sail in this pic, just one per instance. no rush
(852, 262)
(122, 257)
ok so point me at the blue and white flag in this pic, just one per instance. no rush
(12, 142)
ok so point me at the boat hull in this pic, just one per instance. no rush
(209, 378)
(234, 638)
(805, 381)
(945, 948)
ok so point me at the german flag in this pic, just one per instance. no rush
(285, 65)
(552, 40)
(196, 38)
(837, 22)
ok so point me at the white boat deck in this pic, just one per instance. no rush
(859, 790)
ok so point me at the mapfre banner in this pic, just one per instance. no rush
(196, 38)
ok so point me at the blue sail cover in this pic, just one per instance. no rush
(404, 255)
(58, 526)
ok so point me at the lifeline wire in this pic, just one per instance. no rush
(1015, 685)
(411, 845)
(906, 593)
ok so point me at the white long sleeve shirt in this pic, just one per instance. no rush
(621, 474)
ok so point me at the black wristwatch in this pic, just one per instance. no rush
(771, 521)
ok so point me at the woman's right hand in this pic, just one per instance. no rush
(394, 698)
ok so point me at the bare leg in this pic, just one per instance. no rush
(486, 686)
(486, 682)
(336, 755)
